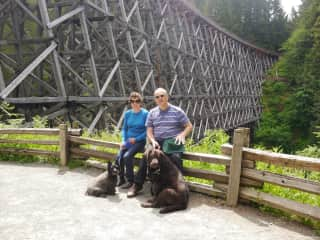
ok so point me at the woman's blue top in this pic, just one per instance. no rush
(134, 125)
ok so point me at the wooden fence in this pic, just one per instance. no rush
(240, 181)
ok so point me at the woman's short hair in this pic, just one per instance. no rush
(135, 95)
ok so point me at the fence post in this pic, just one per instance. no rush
(241, 138)
(63, 144)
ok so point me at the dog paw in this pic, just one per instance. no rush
(146, 205)
(151, 200)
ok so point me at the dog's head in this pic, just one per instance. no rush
(113, 169)
(153, 158)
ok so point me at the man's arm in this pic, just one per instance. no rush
(151, 138)
(181, 138)
(187, 129)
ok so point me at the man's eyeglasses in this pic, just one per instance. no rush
(159, 96)
(135, 101)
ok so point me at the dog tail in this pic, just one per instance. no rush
(173, 208)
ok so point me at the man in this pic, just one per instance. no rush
(164, 122)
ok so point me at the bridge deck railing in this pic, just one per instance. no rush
(241, 181)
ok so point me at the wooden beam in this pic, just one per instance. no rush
(2, 82)
(29, 12)
(209, 158)
(64, 151)
(12, 86)
(282, 180)
(280, 159)
(206, 174)
(38, 131)
(35, 152)
(29, 141)
(65, 17)
(206, 189)
(92, 153)
(35, 131)
(239, 139)
(286, 205)
(83, 140)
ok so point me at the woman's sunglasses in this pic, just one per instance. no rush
(135, 101)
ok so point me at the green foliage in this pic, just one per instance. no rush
(7, 114)
(292, 107)
(39, 122)
(114, 136)
(312, 150)
(12, 120)
(27, 158)
(211, 143)
(262, 22)
(287, 117)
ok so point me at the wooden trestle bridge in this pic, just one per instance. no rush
(77, 60)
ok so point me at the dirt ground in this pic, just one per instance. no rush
(43, 202)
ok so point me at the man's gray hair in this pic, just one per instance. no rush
(161, 90)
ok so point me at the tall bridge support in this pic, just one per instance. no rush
(78, 61)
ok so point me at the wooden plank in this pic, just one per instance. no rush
(63, 136)
(65, 17)
(96, 119)
(2, 82)
(30, 152)
(239, 139)
(226, 149)
(75, 132)
(247, 182)
(284, 181)
(206, 174)
(109, 78)
(248, 164)
(286, 205)
(34, 131)
(96, 164)
(40, 142)
(286, 160)
(92, 153)
(36, 100)
(209, 158)
(293, 161)
(206, 189)
(38, 131)
(83, 140)
(221, 186)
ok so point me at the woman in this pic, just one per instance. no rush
(133, 139)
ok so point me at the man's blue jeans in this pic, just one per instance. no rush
(125, 160)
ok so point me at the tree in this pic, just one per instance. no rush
(261, 22)
(299, 66)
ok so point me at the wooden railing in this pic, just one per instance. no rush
(77, 151)
(249, 157)
(37, 131)
(240, 181)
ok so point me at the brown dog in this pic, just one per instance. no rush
(168, 186)
(105, 183)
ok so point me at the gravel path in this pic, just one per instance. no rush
(42, 202)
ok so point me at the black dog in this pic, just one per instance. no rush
(168, 186)
(105, 183)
